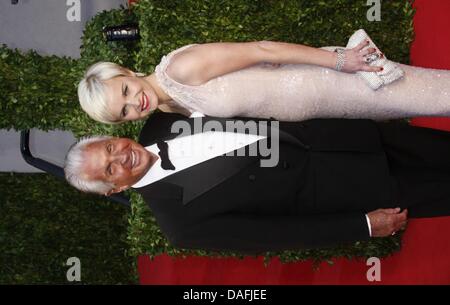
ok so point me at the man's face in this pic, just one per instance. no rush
(120, 161)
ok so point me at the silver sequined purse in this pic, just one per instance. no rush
(391, 71)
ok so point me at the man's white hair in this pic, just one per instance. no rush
(91, 90)
(73, 168)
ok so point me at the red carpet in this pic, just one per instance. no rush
(424, 258)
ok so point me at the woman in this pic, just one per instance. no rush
(288, 82)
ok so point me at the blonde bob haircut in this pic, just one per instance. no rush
(91, 90)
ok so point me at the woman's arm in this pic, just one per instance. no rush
(200, 63)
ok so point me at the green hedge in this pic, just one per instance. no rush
(167, 25)
(41, 91)
(44, 221)
(32, 84)
(44, 96)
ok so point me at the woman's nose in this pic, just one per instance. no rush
(135, 102)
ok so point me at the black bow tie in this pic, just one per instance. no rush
(164, 155)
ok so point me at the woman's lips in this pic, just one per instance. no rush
(145, 103)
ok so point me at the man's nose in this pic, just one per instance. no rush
(120, 157)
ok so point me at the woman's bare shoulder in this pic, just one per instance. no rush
(184, 66)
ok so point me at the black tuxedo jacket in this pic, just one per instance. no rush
(330, 173)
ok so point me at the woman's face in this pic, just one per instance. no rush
(130, 97)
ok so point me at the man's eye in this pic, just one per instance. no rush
(124, 112)
(109, 148)
(109, 170)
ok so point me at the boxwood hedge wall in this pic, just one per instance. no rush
(43, 222)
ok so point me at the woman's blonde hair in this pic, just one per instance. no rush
(91, 90)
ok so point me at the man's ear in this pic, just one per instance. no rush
(117, 190)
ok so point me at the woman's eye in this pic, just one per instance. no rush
(125, 91)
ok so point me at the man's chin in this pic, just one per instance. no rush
(144, 170)
(143, 156)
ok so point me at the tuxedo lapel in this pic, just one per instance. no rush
(157, 127)
(161, 191)
(200, 178)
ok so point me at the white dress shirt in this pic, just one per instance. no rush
(188, 151)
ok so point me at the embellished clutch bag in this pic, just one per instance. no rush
(391, 71)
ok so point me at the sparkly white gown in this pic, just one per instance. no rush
(295, 92)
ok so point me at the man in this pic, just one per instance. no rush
(335, 181)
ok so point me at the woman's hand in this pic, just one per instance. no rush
(355, 59)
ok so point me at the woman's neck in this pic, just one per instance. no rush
(163, 98)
